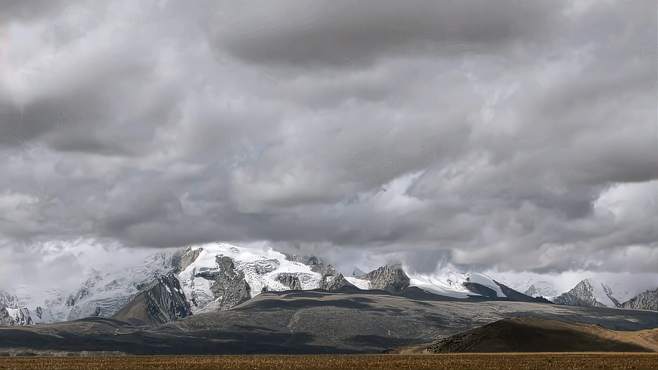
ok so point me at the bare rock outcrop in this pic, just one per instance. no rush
(159, 302)
(230, 286)
(643, 301)
(390, 278)
(290, 280)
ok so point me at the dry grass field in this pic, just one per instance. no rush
(443, 361)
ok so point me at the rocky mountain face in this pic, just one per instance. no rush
(588, 293)
(335, 282)
(159, 302)
(643, 301)
(390, 278)
(15, 316)
(11, 311)
(8, 300)
(230, 286)
(289, 280)
(181, 260)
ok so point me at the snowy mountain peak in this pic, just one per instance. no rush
(15, 316)
(11, 312)
(8, 300)
(259, 267)
(391, 278)
(449, 281)
(101, 293)
(541, 289)
(483, 285)
(589, 293)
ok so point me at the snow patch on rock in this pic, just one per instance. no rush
(260, 264)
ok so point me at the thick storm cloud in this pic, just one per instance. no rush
(508, 135)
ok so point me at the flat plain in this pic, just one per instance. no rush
(441, 361)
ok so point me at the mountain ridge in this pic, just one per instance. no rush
(220, 276)
(647, 300)
(589, 292)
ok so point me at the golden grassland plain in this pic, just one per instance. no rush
(441, 361)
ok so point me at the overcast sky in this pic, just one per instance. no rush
(509, 135)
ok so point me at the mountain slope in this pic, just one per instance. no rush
(449, 282)
(15, 316)
(159, 302)
(390, 278)
(515, 295)
(541, 289)
(588, 293)
(11, 311)
(540, 335)
(644, 301)
(102, 293)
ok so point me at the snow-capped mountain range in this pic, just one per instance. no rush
(594, 293)
(101, 294)
(219, 276)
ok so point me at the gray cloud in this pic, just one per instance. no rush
(508, 135)
(18, 10)
(353, 32)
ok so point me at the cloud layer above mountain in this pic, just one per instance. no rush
(515, 135)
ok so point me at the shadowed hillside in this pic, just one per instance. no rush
(538, 335)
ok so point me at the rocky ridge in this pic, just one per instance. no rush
(390, 278)
(230, 286)
(588, 293)
(644, 301)
(159, 302)
(289, 280)
(12, 313)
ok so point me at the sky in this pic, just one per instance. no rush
(512, 136)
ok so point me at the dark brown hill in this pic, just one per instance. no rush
(539, 335)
